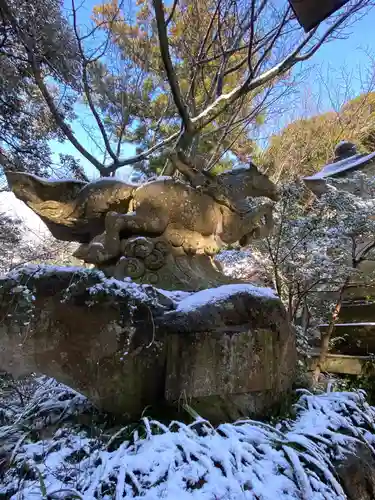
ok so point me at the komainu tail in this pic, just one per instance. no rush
(30, 188)
(72, 210)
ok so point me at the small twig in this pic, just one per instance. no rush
(170, 17)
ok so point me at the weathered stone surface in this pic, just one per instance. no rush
(356, 339)
(157, 232)
(341, 363)
(229, 355)
(90, 348)
(357, 473)
(70, 205)
(127, 346)
(228, 374)
(357, 312)
(234, 305)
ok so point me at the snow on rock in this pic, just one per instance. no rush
(222, 293)
(242, 460)
(183, 301)
(176, 295)
(119, 288)
(103, 285)
(38, 270)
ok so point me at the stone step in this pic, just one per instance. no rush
(342, 364)
(358, 312)
(355, 291)
(355, 339)
(359, 291)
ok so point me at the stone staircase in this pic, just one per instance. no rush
(353, 339)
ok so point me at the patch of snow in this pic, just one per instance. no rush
(38, 270)
(176, 295)
(240, 167)
(120, 288)
(245, 460)
(109, 180)
(221, 293)
(99, 180)
(60, 180)
(123, 288)
(160, 178)
(55, 179)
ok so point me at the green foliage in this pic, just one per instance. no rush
(21, 303)
(137, 103)
(26, 125)
(365, 382)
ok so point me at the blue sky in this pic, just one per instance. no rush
(349, 55)
(85, 119)
(360, 35)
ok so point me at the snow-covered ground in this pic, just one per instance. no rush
(216, 295)
(45, 456)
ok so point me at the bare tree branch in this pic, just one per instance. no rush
(168, 65)
(170, 17)
(355, 8)
(87, 90)
(226, 100)
(251, 41)
(141, 156)
(278, 32)
(231, 38)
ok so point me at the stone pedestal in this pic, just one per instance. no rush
(227, 375)
(227, 352)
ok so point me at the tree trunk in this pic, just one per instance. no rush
(326, 336)
(277, 280)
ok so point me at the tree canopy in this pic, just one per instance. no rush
(140, 107)
(196, 77)
(36, 46)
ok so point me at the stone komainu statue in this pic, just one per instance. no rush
(162, 232)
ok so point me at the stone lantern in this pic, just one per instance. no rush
(346, 161)
(354, 332)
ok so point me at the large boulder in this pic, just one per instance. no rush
(227, 352)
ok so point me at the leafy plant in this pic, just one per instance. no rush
(296, 456)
